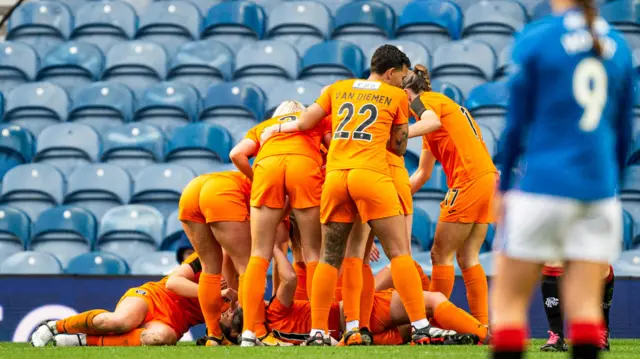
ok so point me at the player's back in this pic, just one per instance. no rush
(569, 99)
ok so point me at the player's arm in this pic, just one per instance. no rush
(287, 275)
(182, 281)
(309, 118)
(423, 173)
(398, 141)
(326, 140)
(240, 155)
(428, 122)
(625, 122)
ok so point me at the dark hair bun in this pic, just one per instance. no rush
(421, 71)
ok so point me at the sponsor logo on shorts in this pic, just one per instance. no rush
(551, 302)
(141, 292)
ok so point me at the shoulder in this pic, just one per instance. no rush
(535, 34)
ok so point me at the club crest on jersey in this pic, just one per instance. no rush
(551, 302)
(366, 85)
(141, 292)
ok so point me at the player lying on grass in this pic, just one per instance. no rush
(156, 313)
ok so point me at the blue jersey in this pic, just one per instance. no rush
(569, 116)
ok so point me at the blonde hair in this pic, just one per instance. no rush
(287, 107)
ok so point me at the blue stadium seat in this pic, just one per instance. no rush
(202, 64)
(102, 105)
(98, 188)
(431, 206)
(32, 188)
(170, 23)
(621, 16)
(268, 5)
(421, 229)
(505, 67)
(490, 141)
(267, 64)
(31, 263)
(465, 63)
(104, 23)
(173, 232)
(334, 5)
(235, 23)
(305, 92)
(411, 158)
(364, 23)
(541, 10)
(332, 61)
(160, 186)
(417, 53)
(168, 105)
(488, 105)
(97, 263)
(14, 231)
(631, 187)
(157, 263)
(634, 157)
(301, 24)
(133, 146)
(436, 186)
(139, 5)
(65, 232)
(67, 146)
(18, 65)
(199, 146)
(137, 64)
(36, 105)
(627, 230)
(431, 23)
(487, 246)
(71, 65)
(486, 260)
(414, 147)
(16, 147)
(205, 5)
(531, 4)
(448, 89)
(130, 231)
(628, 264)
(494, 22)
(41, 24)
(397, 5)
(237, 106)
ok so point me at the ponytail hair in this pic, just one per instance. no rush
(590, 12)
(417, 80)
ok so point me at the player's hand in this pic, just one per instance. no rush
(268, 132)
(374, 256)
(229, 295)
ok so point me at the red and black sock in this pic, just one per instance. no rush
(608, 295)
(551, 299)
(585, 338)
(508, 343)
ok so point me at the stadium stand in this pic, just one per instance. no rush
(102, 105)
(68, 146)
(267, 63)
(97, 263)
(18, 65)
(104, 23)
(200, 146)
(201, 64)
(301, 24)
(133, 146)
(41, 24)
(35, 106)
(71, 65)
(156, 263)
(16, 147)
(33, 188)
(28, 262)
(234, 23)
(15, 228)
(160, 186)
(168, 105)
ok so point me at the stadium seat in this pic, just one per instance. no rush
(67, 146)
(448, 89)
(202, 64)
(98, 188)
(631, 187)
(140, 6)
(431, 23)
(421, 229)
(486, 261)
(414, 146)
(104, 23)
(168, 105)
(487, 246)
(305, 92)
(41, 24)
(465, 63)
(236, 106)
(267, 64)
(36, 105)
(170, 23)
(364, 23)
(430, 206)
(488, 105)
(130, 231)
(157, 263)
(133, 146)
(65, 232)
(160, 186)
(505, 67)
(332, 61)
(424, 259)
(102, 105)
(173, 232)
(205, 5)
(199, 146)
(627, 230)
(619, 14)
(16, 147)
(97, 263)
(436, 186)
(18, 65)
(490, 140)
(137, 64)
(634, 157)
(301, 24)
(235, 23)
(31, 263)
(32, 188)
(494, 22)
(71, 65)
(417, 53)
(628, 265)
(14, 231)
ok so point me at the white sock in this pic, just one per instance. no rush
(52, 325)
(419, 324)
(354, 324)
(248, 334)
(314, 331)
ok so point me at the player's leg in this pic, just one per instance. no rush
(308, 220)
(607, 300)
(475, 280)
(150, 334)
(368, 285)
(550, 287)
(448, 238)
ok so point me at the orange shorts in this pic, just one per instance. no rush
(211, 198)
(400, 177)
(298, 176)
(381, 313)
(347, 193)
(471, 202)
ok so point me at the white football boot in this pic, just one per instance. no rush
(44, 334)
(70, 340)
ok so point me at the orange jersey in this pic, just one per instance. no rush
(362, 113)
(395, 160)
(292, 324)
(306, 143)
(458, 144)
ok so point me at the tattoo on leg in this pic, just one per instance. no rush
(334, 244)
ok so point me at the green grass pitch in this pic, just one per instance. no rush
(620, 349)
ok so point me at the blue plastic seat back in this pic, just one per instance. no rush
(431, 23)
(36, 105)
(97, 263)
(41, 24)
(168, 105)
(490, 140)
(67, 146)
(332, 61)
(621, 14)
(31, 263)
(170, 23)
(305, 92)
(173, 232)
(137, 64)
(415, 51)
(414, 148)
(631, 187)
(301, 24)
(235, 23)
(448, 89)
(421, 229)
(236, 99)
(267, 63)
(397, 5)
(489, 96)
(431, 206)
(104, 23)
(160, 185)
(437, 184)
(71, 65)
(102, 105)
(505, 66)
(17, 146)
(364, 22)
(627, 230)
(205, 5)
(634, 156)
(494, 22)
(201, 64)
(15, 229)
(33, 188)
(133, 146)
(465, 63)
(18, 64)
(200, 146)
(157, 263)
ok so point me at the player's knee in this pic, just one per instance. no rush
(157, 336)
(467, 259)
(433, 299)
(440, 255)
(114, 323)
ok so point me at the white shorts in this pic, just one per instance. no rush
(544, 228)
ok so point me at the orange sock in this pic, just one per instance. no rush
(240, 290)
(366, 299)
(351, 288)
(301, 288)
(311, 270)
(338, 292)
(210, 300)
(477, 292)
(388, 337)
(442, 279)
(407, 282)
(255, 279)
(423, 277)
(80, 323)
(453, 318)
(131, 339)
(323, 289)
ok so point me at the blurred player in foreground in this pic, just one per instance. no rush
(569, 119)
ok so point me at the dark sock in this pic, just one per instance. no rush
(551, 302)
(508, 355)
(608, 296)
(585, 351)
(508, 343)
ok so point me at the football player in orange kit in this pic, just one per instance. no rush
(368, 116)
(452, 137)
